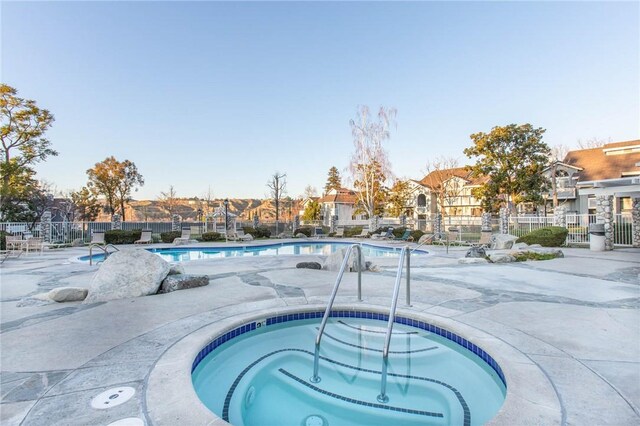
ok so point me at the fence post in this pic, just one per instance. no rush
(176, 222)
(45, 226)
(635, 223)
(504, 220)
(116, 221)
(373, 223)
(560, 217)
(604, 214)
(437, 225)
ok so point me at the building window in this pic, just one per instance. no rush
(422, 200)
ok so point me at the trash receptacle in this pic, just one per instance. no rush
(596, 237)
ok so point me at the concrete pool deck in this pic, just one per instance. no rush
(570, 329)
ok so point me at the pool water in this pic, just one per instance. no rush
(263, 377)
(182, 254)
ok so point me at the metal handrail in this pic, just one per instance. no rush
(392, 314)
(105, 249)
(316, 360)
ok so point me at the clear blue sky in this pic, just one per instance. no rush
(224, 94)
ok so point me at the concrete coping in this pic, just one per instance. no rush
(171, 398)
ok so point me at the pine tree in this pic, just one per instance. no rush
(333, 180)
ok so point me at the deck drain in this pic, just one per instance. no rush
(315, 420)
(112, 397)
(129, 421)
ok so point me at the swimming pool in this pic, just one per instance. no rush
(259, 373)
(182, 254)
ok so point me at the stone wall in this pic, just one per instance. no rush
(176, 222)
(45, 226)
(437, 225)
(504, 220)
(116, 221)
(604, 214)
(560, 217)
(486, 222)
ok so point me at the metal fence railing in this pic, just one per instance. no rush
(469, 227)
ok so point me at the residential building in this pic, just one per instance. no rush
(448, 190)
(339, 202)
(584, 174)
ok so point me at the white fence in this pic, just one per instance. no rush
(468, 226)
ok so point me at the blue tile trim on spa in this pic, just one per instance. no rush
(238, 331)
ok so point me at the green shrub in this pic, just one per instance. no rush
(168, 237)
(352, 232)
(552, 236)
(306, 230)
(211, 236)
(416, 235)
(259, 232)
(119, 236)
(529, 255)
(3, 239)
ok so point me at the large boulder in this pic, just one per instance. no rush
(68, 294)
(501, 258)
(502, 241)
(472, 260)
(182, 282)
(127, 273)
(308, 265)
(476, 252)
(334, 261)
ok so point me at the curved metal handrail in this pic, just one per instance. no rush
(406, 252)
(316, 360)
(105, 249)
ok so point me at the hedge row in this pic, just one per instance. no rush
(118, 236)
(551, 236)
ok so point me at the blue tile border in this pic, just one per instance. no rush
(278, 319)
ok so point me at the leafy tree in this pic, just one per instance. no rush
(277, 185)
(399, 196)
(130, 179)
(312, 211)
(369, 164)
(372, 183)
(86, 204)
(22, 144)
(512, 157)
(333, 180)
(114, 180)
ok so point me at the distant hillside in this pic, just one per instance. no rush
(153, 210)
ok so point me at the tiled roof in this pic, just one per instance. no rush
(598, 165)
(342, 195)
(435, 178)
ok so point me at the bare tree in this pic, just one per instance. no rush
(277, 185)
(445, 180)
(310, 191)
(370, 167)
(208, 202)
(592, 143)
(169, 200)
